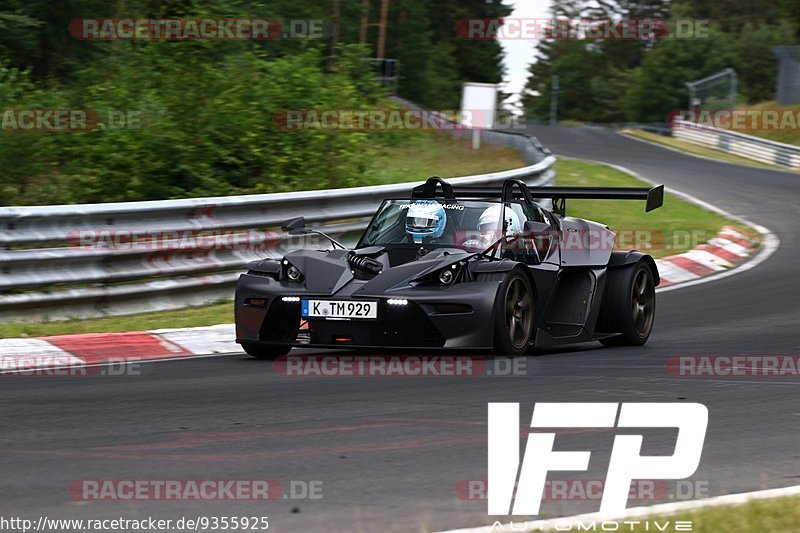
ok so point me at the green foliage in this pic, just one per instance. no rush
(434, 59)
(207, 108)
(753, 49)
(731, 16)
(617, 81)
(659, 84)
(207, 127)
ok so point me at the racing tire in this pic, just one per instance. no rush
(265, 351)
(514, 310)
(630, 305)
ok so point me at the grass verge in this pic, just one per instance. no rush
(690, 148)
(682, 222)
(220, 313)
(673, 229)
(781, 515)
(438, 154)
(785, 131)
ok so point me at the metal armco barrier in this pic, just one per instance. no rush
(739, 144)
(77, 261)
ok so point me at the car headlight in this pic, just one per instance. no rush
(292, 272)
(447, 276)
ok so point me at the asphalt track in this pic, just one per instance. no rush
(390, 451)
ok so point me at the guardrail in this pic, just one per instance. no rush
(78, 261)
(659, 128)
(734, 143)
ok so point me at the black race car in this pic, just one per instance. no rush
(463, 268)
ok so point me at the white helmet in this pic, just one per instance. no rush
(490, 220)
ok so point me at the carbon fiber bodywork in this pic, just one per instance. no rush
(568, 276)
(434, 317)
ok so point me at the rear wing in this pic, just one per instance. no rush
(515, 189)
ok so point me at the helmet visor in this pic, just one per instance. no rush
(422, 222)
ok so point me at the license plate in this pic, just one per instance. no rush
(339, 309)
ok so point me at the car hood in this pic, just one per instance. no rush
(329, 271)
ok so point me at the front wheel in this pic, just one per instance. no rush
(513, 314)
(265, 351)
(630, 305)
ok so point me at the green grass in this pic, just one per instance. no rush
(690, 148)
(570, 124)
(676, 218)
(788, 135)
(221, 313)
(438, 154)
(781, 515)
(675, 228)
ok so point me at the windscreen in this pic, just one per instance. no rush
(471, 225)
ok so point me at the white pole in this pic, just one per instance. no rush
(476, 138)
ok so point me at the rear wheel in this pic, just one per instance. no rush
(630, 305)
(513, 314)
(265, 351)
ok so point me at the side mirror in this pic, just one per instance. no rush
(540, 235)
(533, 227)
(294, 226)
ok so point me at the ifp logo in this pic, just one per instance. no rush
(626, 463)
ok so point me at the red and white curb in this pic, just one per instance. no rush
(728, 248)
(25, 356)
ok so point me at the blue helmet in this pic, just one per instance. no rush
(425, 218)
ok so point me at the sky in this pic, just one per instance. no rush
(519, 54)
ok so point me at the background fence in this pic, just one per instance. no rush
(77, 261)
(730, 142)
